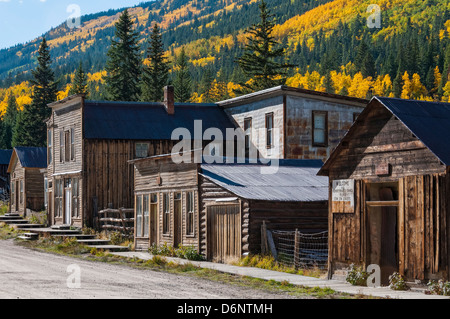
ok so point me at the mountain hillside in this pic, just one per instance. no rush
(328, 42)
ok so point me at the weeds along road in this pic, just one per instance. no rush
(29, 274)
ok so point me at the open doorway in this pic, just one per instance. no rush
(382, 228)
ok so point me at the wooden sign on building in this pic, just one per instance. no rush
(343, 196)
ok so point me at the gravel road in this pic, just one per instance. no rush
(29, 274)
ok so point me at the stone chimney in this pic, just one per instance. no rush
(169, 99)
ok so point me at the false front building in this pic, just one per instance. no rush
(91, 142)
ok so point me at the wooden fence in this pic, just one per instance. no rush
(121, 220)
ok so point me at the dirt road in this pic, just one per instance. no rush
(29, 274)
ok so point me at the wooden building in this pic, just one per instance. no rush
(91, 142)
(219, 208)
(5, 157)
(292, 123)
(27, 180)
(389, 191)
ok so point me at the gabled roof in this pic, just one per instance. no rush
(294, 181)
(29, 157)
(148, 121)
(428, 121)
(5, 156)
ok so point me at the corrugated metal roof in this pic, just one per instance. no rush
(5, 156)
(32, 157)
(148, 121)
(295, 180)
(428, 121)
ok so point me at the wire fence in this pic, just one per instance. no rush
(301, 250)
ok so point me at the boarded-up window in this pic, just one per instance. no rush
(190, 214)
(320, 128)
(142, 150)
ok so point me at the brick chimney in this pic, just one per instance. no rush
(169, 99)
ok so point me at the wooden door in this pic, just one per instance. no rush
(17, 190)
(153, 219)
(224, 232)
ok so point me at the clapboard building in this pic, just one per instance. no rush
(219, 207)
(91, 142)
(389, 191)
(292, 123)
(26, 179)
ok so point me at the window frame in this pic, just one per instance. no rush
(166, 214)
(137, 155)
(325, 129)
(49, 146)
(269, 130)
(248, 127)
(190, 214)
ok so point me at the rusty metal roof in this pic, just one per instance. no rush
(292, 180)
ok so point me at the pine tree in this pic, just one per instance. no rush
(157, 73)
(182, 81)
(124, 62)
(8, 123)
(261, 54)
(79, 85)
(30, 128)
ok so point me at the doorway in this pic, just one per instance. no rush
(382, 212)
(177, 210)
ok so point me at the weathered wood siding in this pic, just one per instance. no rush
(308, 217)
(165, 177)
(423, 188)
(107, 175)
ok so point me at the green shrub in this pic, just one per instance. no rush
(439, 288)
(397, 282)
(189, 253)
(357, 276)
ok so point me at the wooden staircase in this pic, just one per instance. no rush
(18, 222)
(65, 231)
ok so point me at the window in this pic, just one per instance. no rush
(61, 146)
(166, 213)
(72, 144)
(269, 130)
(146, 208)
(58, 197)
(49, 147)
(190, 231)
(21, 192)
(139, 216)
(13, 193)
(142, 150)
(67, 146)
(248, 135)
(75, 201)
(320, 128)
(45, 192)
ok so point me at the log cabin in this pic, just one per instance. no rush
(91, 142)
(219, 208)
(5, 157)
(389, 191)
(27, 180)
(292, 123)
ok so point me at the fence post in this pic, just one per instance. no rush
(263, 238)
(296, 249)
